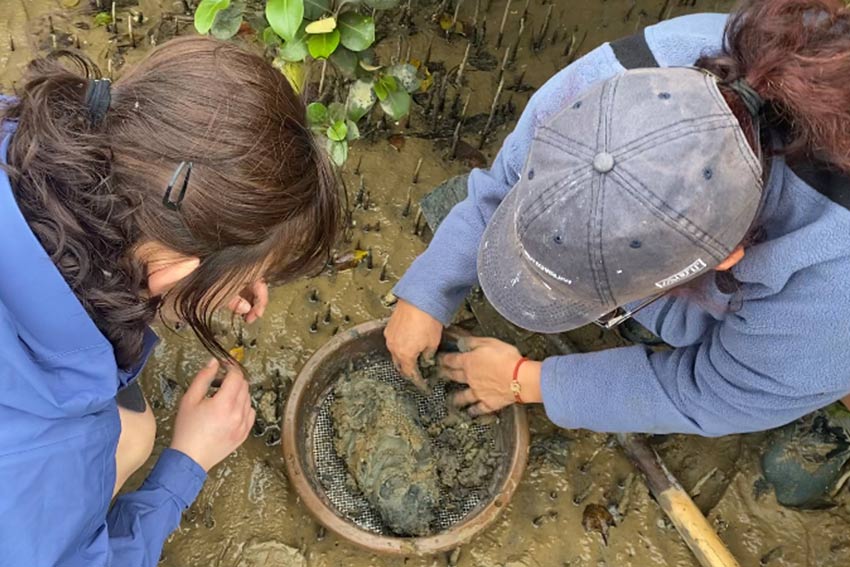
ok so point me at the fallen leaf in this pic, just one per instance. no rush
(238, 353)
(397, 141)
(349, 260)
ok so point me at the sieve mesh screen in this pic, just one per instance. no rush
(332, 472)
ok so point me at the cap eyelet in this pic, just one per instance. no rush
(558, 239)
(664, 96)
(635, 244)
(530, 174)
(577, 105)
(707, 173)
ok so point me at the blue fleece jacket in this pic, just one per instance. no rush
(778, 353)
(59, 423)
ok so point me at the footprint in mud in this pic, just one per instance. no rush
(267, 553)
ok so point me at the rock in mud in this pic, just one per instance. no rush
(386, 451)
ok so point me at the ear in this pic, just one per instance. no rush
(165, 277)
(736, 256)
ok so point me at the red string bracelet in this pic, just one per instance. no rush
(516, 388)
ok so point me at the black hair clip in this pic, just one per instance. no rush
(166, 199)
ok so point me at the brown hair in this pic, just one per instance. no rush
(796, 55)
(261, 201)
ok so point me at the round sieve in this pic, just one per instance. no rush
(319, 476)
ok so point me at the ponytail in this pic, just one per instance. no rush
(60, 167)
(796, 55)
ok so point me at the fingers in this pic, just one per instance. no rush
(467, 344)
(239, 305)
(452, 361)
(464, 398)
(479, 409)
(458, 376)
(260, 289)
(202, 382)
(232, 383)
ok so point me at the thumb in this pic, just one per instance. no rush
(467, 344)
(202, 381)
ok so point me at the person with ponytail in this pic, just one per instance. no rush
(694, 177)
(187, 186)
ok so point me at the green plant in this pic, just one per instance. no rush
(337, 33)
(332, 122)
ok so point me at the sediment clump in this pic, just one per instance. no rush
(407, 462)
(386, 451)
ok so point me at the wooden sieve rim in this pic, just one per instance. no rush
(455, 536)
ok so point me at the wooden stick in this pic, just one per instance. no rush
(502, 26)
(463, 64)
(698, 534)
(454, 16)
(492, 112)
(130, 30)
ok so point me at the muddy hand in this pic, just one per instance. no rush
(486, 366)
(412, 333)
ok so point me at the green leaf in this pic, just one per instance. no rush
(270, 38)
(228, 21)
(338, 152)
(357, 32)
(292, 70)
(405, 74)
(315, 9)
(337, 131)
(336, 111)
(317, 113)
(206, 12)
(353, 131)
(285, 16)
(397, 105)
(382, 4)
(345, 61)
(390, 83)
(105, 18)
(360, 99)
(322, 45)
(381, 91)
(325, 25)
(295, 49)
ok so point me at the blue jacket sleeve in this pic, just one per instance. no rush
(440, 278)
(762, 366)
(139, 522)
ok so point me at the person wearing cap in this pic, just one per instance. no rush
(693, 178)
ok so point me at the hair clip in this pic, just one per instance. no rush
(166, 199)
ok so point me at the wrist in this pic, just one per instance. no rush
(177, 446)
(529, 382)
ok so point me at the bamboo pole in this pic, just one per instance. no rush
(691, 524)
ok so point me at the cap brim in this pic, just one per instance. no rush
(519, 292)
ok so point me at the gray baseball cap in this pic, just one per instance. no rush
(642, 184)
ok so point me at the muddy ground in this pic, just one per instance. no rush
(248, 516)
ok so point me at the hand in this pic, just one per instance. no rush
(412, 332)
(208, 429)
(251, 302)
(487, 367)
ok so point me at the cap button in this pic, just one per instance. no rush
(603, 162)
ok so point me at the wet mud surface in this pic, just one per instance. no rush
(247, 515)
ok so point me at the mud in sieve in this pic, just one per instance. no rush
(332, 473)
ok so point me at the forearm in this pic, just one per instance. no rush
(141, 521)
